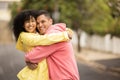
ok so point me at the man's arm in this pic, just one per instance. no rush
(39, 53)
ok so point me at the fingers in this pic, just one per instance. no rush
(70, 33)
(70, 36)
(32, 66)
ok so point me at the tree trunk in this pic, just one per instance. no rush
(78, 37)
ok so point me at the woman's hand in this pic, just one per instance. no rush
(70, 33)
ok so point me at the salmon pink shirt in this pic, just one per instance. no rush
(60, 57)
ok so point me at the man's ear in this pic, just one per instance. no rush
(51, 21)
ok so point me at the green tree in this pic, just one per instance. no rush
(92, 16)
(114, 5)
(67, 12)
(96, 17)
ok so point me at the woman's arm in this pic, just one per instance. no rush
(33, 39)
(19, 44)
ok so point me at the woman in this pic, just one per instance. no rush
(25, 22)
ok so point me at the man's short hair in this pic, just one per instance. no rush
(44, 12)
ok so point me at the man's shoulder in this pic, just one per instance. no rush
(60, 26)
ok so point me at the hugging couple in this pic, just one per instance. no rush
(48, 51)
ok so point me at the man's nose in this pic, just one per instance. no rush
(40, 25)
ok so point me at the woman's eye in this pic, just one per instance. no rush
(33, 20)
(26, 21)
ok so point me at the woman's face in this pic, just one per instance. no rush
(30, 25)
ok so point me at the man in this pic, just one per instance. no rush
(60, 56)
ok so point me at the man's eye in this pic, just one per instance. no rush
(42, 21)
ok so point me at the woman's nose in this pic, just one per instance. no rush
(30, 23)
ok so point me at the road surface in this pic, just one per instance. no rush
(11, 61)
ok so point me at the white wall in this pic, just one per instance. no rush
(96, 42)
(5, 13)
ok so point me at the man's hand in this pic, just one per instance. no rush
(32, 66)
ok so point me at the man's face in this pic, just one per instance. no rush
(43, 23)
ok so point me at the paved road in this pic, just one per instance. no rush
(87, 72)
(5, 32)
(11, 61)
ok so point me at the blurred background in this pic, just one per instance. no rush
(96, 39)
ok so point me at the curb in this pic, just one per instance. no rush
(96, 65)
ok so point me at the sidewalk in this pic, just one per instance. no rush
(104, 61)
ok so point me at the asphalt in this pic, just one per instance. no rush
(109, 62)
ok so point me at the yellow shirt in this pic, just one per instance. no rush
(26, 42)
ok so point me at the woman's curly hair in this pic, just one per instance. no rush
(18, 22)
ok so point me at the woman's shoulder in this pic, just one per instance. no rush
(23, 34)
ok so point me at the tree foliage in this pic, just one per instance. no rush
(92, 16)
(114, 5)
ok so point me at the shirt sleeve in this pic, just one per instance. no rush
(69, 30)
(32, 39)
(39, 53)
(19, 44)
